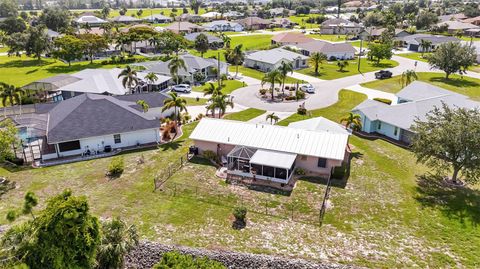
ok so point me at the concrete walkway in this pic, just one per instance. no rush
(371, 93)
(246, 79)
(306, 78)
(262, 118)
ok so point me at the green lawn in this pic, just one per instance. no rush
(249, 72)
(301, 20)
(347, 101)
(466, 85)
(384, 216)
(193, 101)
(417, 56)
(3, 49)
(245, 115)
(331, 38)
(20, 71)
(228, 86)
(329, 70)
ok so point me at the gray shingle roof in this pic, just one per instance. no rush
(326, 47)
(90, 115)
(211, 38)
(426, 98)
(273, 56)
(124, 19)
(435, 39)
(193, 64)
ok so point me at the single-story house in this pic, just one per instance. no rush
(125, 19)
(157, 18)
(291, 38)
(90, 20)
(414, 102)
(94, 30)
(333, 51)
(91, 123)
(412, 42)
(452, 17)
(232, 15)
(223, 26)
(457, 26)
(254, 23)
(212, 15)
(476, 45)
(194, 64)
(214, 41)
(283, 23)
(474, 20)
(275, 12)
(272, 152)
(267, 60)
(339, 26)
(184, 27)
(374, 33)
(189, 17)
(98, 81)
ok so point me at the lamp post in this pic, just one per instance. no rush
(361, 36)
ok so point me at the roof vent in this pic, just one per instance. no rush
(298, 136)
(228, 139)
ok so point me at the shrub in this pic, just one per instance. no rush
(116, 166)
(300, 171)
(240, 213)
(177, 260)
(289, 98)
(300, 95)
(332, 58)
(208, 154)
(262, 91)
(383, 100)
(302, 111)
(339, 172)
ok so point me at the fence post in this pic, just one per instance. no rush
(266, 208)
(292, 212)
(174, 189)
(181, 161)
(154, 184)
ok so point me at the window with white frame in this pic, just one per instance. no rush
(117, 139)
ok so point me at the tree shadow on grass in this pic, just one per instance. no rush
(74, 68)
(201, 161)
(173, 145)
(25, 63)
(455, 82)
(456, 202)
(382, 65)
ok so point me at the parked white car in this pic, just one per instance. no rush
(182, 88)
(307, 88)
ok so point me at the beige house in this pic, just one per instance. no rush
(272, 152)
(338, 26)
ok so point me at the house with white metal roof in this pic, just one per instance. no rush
(90, 20)
(414, 102)
(223, 26)
(413, 42)
(272, 152)
(157, 18)
(267, 60)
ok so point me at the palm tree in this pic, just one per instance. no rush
(342, 64)
(425, 45)
(12, 94)
(177, 103)
(220, 102)
(211, 90)
(129, 78)
(118, 239)
(272, 117)
(143, 105)
(408, 77)
(226, 40)
(175, 64)
(272, 77)
(285, 68)
(237, 56)
(151, 78)
(353, 121)
(316, 59)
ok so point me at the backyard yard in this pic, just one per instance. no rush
(330, 70)
(257, 74)
(387, 214)
(466, 85)
(245, 115)
(227, 87)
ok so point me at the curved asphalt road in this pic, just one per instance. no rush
(326, 91)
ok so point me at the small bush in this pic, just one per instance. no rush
(300, 171)
(175, 259)
(208, 154)
(332, 58)
(383, 100)
(240, 213)
(262, 91)
(302, 111)
(339, 172)
(116, 166)
(300, 95)
(289, 98)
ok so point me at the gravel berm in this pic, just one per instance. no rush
(148, 254)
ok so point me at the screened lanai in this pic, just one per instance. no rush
(262, 164)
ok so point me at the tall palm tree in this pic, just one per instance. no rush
(174, 65)
(143, 105)
(285, 68)
(151, 78)
(408, 77)
(177, 103)
(272, 117)
(226, 40)
(272, 77)
(211, 90)
(316, 59)
(425, 45)
(352, 121)
(12, 94)
(220, 102)
(237, 56)
(129, 78)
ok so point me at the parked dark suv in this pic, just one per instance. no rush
(382, 74)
